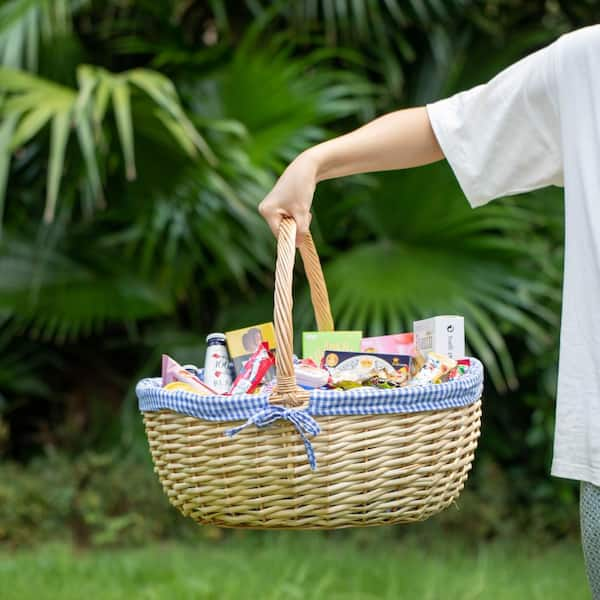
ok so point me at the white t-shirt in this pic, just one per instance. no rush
(536, 124)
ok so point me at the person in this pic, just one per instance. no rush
(535, 124)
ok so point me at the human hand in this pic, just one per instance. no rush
(292, 196)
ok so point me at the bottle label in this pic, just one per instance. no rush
(216, 368)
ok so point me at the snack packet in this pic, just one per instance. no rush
(254, 370)
(461, 368)
(183, 387)
(384, 378)
(309, 375)
(173, 371)
(337, 361)
(435, 369)
(417, 363)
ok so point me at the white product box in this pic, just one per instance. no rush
(444, 334)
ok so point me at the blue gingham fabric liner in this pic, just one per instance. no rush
(358, 401)
(256, 409)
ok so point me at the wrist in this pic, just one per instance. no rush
(314, 163)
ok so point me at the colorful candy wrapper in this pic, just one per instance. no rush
(384, 378)
(167, 364)
(417, 363)
(308, 376)
(173, 371)
(435, 369)
(461, 368)
(254, 370)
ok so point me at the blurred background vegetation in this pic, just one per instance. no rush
(137, 138)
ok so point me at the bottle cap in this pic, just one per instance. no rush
(215, 336)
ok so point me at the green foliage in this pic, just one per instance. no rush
(24, 22)
(193, 214)
(61, 297)
(422, 251)
(99, 499)
(184, 115)
(19, 372)
(31, 102)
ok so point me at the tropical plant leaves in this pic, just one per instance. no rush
(23, 22)
(60, 298)
(7, 128)
(283, 102)
(32, 102)
(422, 251)
(58, 143)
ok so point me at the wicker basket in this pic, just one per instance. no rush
(373, 469)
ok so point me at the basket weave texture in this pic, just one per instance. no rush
(372, 469)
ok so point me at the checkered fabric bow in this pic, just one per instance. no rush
(299, 418)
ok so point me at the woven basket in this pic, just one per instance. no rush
(373, 469)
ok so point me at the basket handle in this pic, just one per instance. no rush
(287, 392)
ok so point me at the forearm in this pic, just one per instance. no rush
(398, 140)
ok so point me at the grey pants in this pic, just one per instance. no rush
(590, 534)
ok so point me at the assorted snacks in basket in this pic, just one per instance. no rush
(348, 436)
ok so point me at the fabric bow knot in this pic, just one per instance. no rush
(299, 418)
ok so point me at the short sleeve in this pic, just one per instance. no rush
(503, 137)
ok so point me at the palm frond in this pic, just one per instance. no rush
(266, 107)
(31, 102)
(420, 251)
(60, 298)
(24, 22)
(282, 101)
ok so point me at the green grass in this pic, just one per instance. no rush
(303, 566)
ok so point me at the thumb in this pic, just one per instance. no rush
(303, 220)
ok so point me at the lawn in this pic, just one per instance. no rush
(303, 566)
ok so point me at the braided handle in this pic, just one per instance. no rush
(287, 392)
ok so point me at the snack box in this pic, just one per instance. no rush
(314, 343)
(242, 343)
(444, 335)
(397, 343)
(341, 361)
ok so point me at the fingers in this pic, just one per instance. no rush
(303, 220)
(272, 217)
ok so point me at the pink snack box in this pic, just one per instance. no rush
(398, 343)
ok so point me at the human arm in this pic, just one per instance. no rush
(397, 140)
(500, 138)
